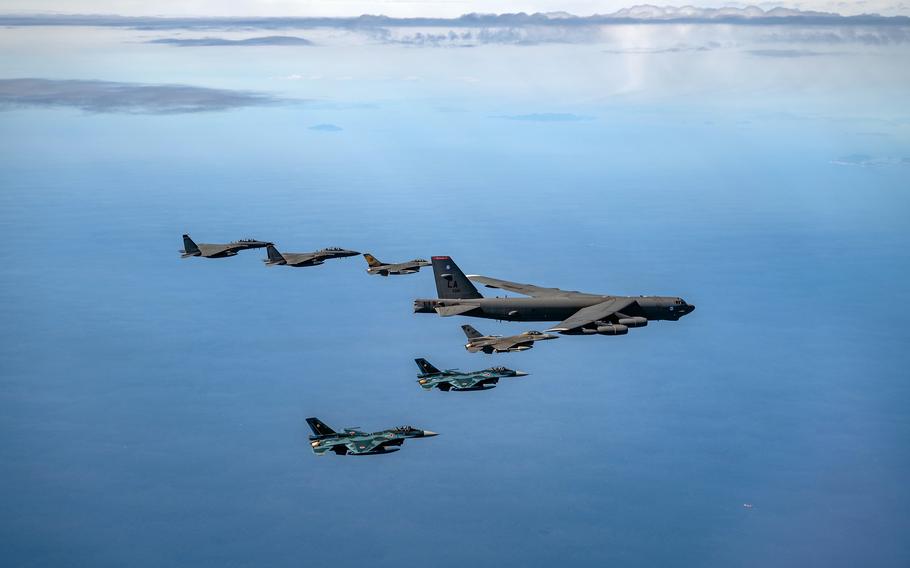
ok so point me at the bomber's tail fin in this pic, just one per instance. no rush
(470, 332)
(189, 247)
(319, 428)
(372, 260)
(451, 283)
(274, 256)
(426, 366)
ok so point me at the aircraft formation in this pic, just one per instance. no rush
(576, 313)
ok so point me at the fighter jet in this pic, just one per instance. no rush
(353, 442)
(383, 269)
(451, 379)
(499, 344)
(305, 258)
(581, 313)
(219, 251)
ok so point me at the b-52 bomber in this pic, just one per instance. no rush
(351, 441)
(316, 258)
(219, 250)
(376, 266)
(451, 379)
(580, 313)
(499, 344)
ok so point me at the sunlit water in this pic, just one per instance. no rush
(151, 408)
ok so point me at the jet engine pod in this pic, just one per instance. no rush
(612, 329)
(637, 321)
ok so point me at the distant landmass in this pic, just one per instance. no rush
(218, 41)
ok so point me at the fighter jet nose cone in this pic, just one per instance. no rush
(520, 374)
(429, 434)
(691, 308)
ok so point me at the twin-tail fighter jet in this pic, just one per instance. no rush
(578, 313)
(453, 380)
(376, 266)
(499, 344)
(351, 441)
(315, 258)
(219, 250)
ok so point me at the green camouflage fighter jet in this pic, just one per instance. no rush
(305, 258)
(356, 443)
(218, 251)
(452, 379)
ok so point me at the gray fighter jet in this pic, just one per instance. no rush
(351, 441)
(305, 258)
(581, 313)
(218, 251)
(499, 344)
(383, 269)
(451, 379)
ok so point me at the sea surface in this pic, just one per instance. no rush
(152, 408)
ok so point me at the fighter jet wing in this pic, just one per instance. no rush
(594, 313)
(211, 250)
(526, 289)
(363, 446)
(301, 257)
(510, 342)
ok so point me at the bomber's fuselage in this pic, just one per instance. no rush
(557, 308)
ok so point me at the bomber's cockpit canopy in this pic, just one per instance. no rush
(419, 260)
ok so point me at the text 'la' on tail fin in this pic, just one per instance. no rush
(470, 332)
(319, 428)
(451, 283)
(426, 366)
(274, 255)
(371, 260)
(189, 247)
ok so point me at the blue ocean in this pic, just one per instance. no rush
(152, 408)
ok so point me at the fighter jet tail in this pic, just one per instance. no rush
(470, 332)
(372, 261)
(451, 283)
(274, 256)
(426, 367)
(319, 428)
(189, 247)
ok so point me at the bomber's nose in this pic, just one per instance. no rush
(429, 434)
(690, 309)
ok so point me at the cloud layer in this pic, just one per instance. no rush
(131, 98)
(547, 117)
(646, 13)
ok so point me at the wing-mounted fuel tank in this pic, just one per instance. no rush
(636, 321)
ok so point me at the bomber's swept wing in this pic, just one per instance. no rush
(446, 311)
(526, 289)
(591, 314)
